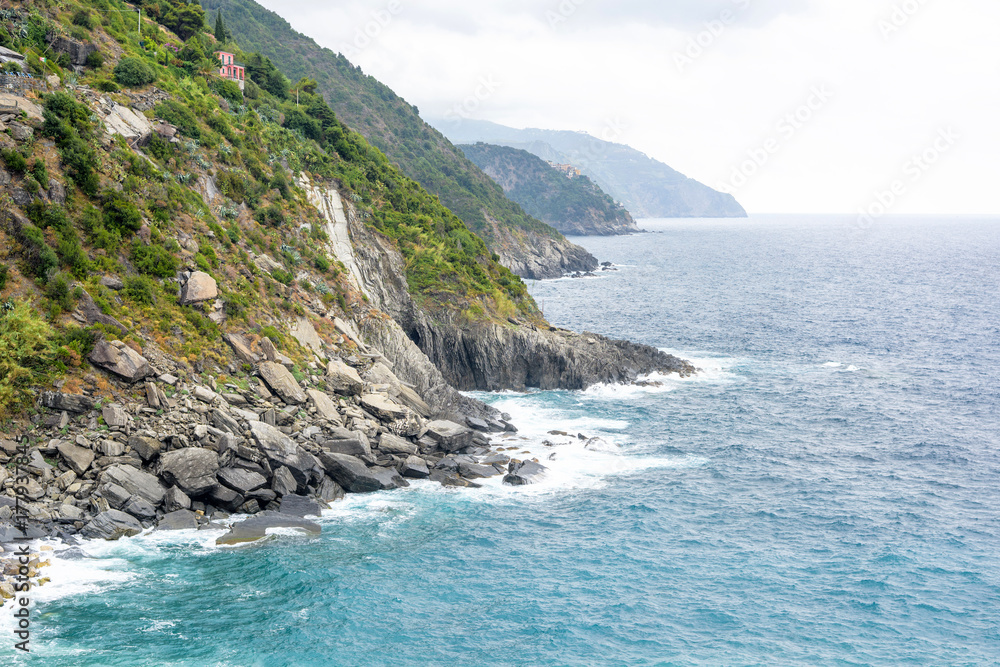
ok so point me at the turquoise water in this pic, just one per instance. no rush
(825, 492)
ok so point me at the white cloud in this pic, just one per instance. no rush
(892, 90)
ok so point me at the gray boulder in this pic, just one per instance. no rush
(241, 348)
(136, 482)
(325, 407)
(69, 402)
(147, 448)
(301, 506)
(415, 468)
(121, 360)
(284, 482)
(78, 458)
(199, 287)
(392, 444)
(182, 519)
(343, 379)
(329, 490)
(383, 408)
(175, 499)
(476, 471)
(450, 436)
(351, 443)
(281, 450)
(139, 508)
(355, 477)
(282, 382)
(242, 480)
(111, 525)
(255, 528)
(521, 473)
(192, 469)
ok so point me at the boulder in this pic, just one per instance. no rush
(450, 436)
(325, 407)
(241, 348)
(199, 287)
(111, 525)
(192, 469)
(383, 408)
(355, 477)
(355, 444)
(224, 497)
(78, 458)
(241, 480)
(343, 379)
(329, 490)
(175, 499)
(283, 482)
(147, 448)
(445, 478)
(205, 395)
(268, 348)
(139, 508)
(281, 450)
(304, 332)
(129, 124)
(182, 519)
(521, 473)
(112, 282)
(57, 192)
(412, 400)
(477, 424)
(121, 360)
(256, 527)
(68, 402)
(222, 421)
(392, 444)
(476, 471)
(281, 382)
(415, 468)
(136, 482)
(115, 415)
(300, 506)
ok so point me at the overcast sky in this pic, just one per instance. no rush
(822, 106)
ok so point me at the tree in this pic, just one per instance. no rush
(186, 20)
(220, 31)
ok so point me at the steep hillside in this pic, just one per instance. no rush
(526, 245)
(646, 187)
(563, 198)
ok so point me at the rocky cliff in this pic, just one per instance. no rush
(566, 199)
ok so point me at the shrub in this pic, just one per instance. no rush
(107, 86)
(4, 273)
(180, 115)
(26, 355)
(153, 260)
(83, 19)
(40, 172)
(95, 59)
(282, 276)
(14, 160)
(140, 289)
(321, 263)
(37, 254)
(120, 214)
(133, 73)
(228, 90)
(57, 290)
(271, 215)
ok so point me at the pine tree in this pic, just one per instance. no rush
(220, 31)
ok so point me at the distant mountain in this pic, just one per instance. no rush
(524, 244)
(560, 196)
(647, 188)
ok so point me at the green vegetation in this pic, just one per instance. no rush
(26, 355)
(572, 205)
(133, 73)
(374, 110)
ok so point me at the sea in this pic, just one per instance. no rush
(824, 491)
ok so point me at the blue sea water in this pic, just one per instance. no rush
(826, 491)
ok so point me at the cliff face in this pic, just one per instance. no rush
(438, 352)
(567, 200)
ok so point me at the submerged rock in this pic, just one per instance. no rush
(256, 527)
(521, 473)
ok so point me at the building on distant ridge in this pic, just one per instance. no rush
(567, 169)
(230, 69)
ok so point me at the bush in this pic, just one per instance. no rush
(153, 260)
(133, 73)
(83, 19)
(57, 290)
(40, 172)
(107, 86)
(271, 215)
(180, 115)
(120, 214)
(228, 90)
(37, 254)
(282, 276)
(4, 274)
(95, 59)
(26, 355)
(140, 290)
(14, 160)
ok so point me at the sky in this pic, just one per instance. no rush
(793, 106)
